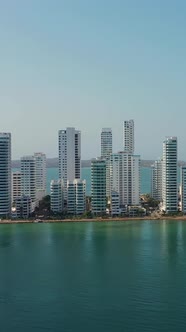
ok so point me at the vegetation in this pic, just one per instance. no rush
(149, 202)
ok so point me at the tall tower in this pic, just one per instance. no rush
(98, 186)
(16, 185)
(128, 136)
(28, 178)
(106, 151)
(170, 169)
(106, 142)
(69, 155)
(183, 189)
(125, 178)
(40, 161)
(156, 185)
(5, 174)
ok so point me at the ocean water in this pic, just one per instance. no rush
(52, 173)
(103, 277)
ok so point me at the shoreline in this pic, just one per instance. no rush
(105, 220)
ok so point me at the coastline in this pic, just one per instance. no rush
(105, 220)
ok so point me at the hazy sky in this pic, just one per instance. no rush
(91, 64)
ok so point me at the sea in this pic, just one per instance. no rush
(103, 277)
(145, 178)
(52, 174)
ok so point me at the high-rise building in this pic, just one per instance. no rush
(76, 197)
(125, 178)
(28, 178)
(40, 159)
(98, 186)
(106, 150)
(128, 136)
(5, 174)
(69, 155)
(56, 196)
(183, 189)
(114, 165)
(106, 142)
(16, 185)
(156, 185)
(129, 183)
(170, 169)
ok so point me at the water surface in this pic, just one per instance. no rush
(124, 276)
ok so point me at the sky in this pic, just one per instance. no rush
(91, 64)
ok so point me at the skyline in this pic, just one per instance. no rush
(69, 64)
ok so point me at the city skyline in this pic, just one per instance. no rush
(69, 63)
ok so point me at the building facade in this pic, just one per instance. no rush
(169, 177)
(69, 155)
(28, 178)
(115, 204)
(76, 197)
(5, 174)
(23, 207)
(98, 186)
(40, 160)
(125, 178)
(16, 185)
(106, 142)
(128, 136)
(183, 189)
(56, 196)
(156, 185)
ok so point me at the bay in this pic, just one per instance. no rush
(52, 173)
(79, 277)
(145, 174)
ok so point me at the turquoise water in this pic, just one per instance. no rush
(103, 277)
(52, 173)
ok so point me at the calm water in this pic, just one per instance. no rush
(52, 173)
(93, 277)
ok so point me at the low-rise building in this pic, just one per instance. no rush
(115, 204)
(22, 207)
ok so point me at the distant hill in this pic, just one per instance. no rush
(53, 162)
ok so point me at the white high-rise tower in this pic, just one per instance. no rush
(156, 185)
(69, 155)
(28, 178)
(125, 177)
(40, 161)
(106, 151)
(170, 169)
(5, 174)
(106, 142)
(128, 136)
